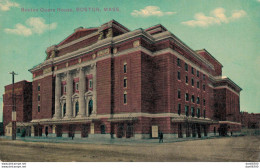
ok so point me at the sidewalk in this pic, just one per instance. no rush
(122, 141)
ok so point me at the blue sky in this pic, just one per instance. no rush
(229, 30)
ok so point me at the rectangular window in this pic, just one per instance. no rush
(187, 110)
(39, 108)
(198, 84)
(179, 109)
(39, 97)
(186, 67)
(198, 113)
(192, 111)
(74, 87)
(187, 96)
(125, 82)
(186, 79)
(178, 62)
(77, 86)
(179, 94)
(192, 99)
(125, 68)
(198, 73)
(192, 70)
(204, 113)
(90, 84)
(192, 82)
(204, 87)
(204, 77)
(65, 88)
(179, 75)
(204, 102)
(39, 87)
(198, 100)
(125, 98)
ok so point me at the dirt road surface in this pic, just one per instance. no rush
(233, 149)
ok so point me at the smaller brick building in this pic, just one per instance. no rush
(23, 101)
(250, 121)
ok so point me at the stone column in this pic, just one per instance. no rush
(94, 89)
(57, 114)
(82, 90)
(69, 92)
(32, 131)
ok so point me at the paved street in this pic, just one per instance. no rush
(217, 149)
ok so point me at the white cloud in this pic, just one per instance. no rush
(5, 5)
(217, 16)
(35, 25)
(20, 30)
(150, 11)
(38, 25)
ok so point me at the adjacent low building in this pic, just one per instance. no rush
(250, 120)
(23, 106)
(110, 82)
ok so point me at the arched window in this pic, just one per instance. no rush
(64, 109)
(90, 107)
(76, 108)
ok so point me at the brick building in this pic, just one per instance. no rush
(250, 120)
(23, 105)
(109, 81)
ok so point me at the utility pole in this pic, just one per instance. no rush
(14, 109)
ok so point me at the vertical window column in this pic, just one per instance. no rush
(125, 83)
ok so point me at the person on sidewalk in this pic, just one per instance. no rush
(46, 132)
(160, 137)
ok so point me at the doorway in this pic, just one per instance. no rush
(180, 131)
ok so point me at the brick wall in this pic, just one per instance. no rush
(133, 88)
(104, 86)
(46, 98)
(22, 91)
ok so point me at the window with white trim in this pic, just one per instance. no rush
(125, 67)
(125, 82)
(90, 84)
(125, 97)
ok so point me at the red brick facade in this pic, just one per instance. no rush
(142, 79)
(23, 102)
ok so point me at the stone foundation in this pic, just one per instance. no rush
(65, 135)
(77, 135)
(142, 136)
(99, 136)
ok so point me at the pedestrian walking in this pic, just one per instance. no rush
(160, 137)
(46, 131)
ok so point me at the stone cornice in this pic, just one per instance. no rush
(215, 79)
(167, 34)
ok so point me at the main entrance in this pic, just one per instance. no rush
(125, 130)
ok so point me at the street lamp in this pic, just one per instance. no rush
(13, 110)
